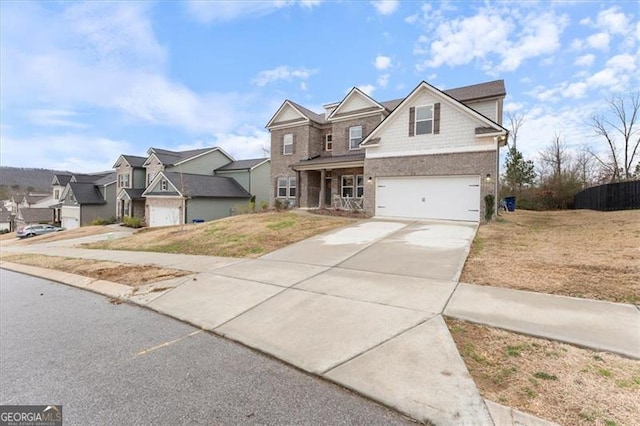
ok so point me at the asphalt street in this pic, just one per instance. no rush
(120, 364)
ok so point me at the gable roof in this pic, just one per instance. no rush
(32, 199)
(131, 193)
(375, 105)
(133, 160)
(88, 178)
(190, 185)
(173, 158)
(242, 164)
(86, 193)
(372, 138)
(306, 115)
(60, 179)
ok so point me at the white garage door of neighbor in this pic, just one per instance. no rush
(442, 197)
(70, 217)
(164, 216)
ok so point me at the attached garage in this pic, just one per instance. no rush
(164, 216)
(70, 217)
(429, 197)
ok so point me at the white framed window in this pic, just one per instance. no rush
(163, 185)
(56, 194)
(287, 144)
(292, 187)
(347, 186)
(352, 186)
(355, 137)
(123, 181)
(282, 187)
(424, 120)
(328, 144)
(359, 186)
(150, 177)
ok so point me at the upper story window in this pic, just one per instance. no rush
(123, 181)
(56, 194)
(355, 137)
(424, 120)
(163, 185)
(150, 177)
(287, 144)
(328, 145)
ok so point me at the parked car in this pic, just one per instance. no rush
(33, 230)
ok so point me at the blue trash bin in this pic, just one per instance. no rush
(511, 203)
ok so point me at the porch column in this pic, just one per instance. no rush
(322, 189)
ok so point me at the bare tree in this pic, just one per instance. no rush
(621, 121)
(515, 122)
(555, 156)
(584, 167)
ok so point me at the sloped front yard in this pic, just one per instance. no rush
(249, 235)
(580, 253)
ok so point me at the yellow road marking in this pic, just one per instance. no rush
(165, 344)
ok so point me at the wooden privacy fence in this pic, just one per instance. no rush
(611, 196)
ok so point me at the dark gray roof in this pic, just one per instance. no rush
(241, 164)
(134, 194)
(5, 216)
(206, 186)
(62, 179)
(134, 160)
(170, 158)
(391, 105)
(36, 215)
(489, 89)
(110, 178)
(32, 199)
(318, 118)
(332, 159)
(86, 193)
(89, 178)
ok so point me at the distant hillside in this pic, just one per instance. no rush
(19, 180)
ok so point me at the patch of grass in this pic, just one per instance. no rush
(530, 393)
(516, 350)
(604, 372)
(597, 358)
(545, 376)
(250, 235)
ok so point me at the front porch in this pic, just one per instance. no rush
(332, 182)
(129, 202)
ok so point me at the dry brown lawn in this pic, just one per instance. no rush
(131, 275)
(552, 380)
(249, 235)
(581, 253)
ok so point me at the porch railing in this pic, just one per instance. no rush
(348, 203)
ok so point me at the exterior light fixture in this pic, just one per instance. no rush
(488, 178)
(369, 180)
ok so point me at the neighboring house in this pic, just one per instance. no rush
(58, 185)
(131, 182)
(6, 219)
(88, 197)
(33, 216)
(253, 175)
(174, 198)
(431, 155)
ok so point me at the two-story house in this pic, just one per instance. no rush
(431, 155)
(87, 197)
(174, 187)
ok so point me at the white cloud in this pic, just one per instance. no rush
(599, 41)
(411, 19)
(613, 21)
(585, 60)
(282, 72)
(383, 80)
(367, 88)
(382, 62)
(55, 117)
(386, 7)
(224, 11)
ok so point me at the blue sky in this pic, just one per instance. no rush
(82, 83)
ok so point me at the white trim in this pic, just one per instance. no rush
(454, 150)
(288, 125)
(355, 90)
(361, 138)
(330, 166)
(326, 142)
(154, 182)
(289, 104)
(205, 153)
(266, 160)
(352, 116)
(415, 119)
(443, 98)
(285, 144)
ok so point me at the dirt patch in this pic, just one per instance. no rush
(122, 273)
(552, 380)
(250, 235)
(339, 213)
(581, 253)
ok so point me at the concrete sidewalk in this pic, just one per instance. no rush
(340, 306)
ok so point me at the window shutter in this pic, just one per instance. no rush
(293, 144)
(436, 118)
(412, 120)
(348, 138)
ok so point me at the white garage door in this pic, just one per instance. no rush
(443, 197)
(164, 216)
(70, 217)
